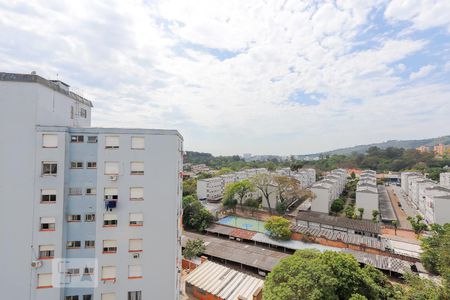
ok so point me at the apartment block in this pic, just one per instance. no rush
(367, 193)
(437, 204)
(108, 195)
(404, 178)
(444, 179)
(327, 190)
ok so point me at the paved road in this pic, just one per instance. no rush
(396, 195)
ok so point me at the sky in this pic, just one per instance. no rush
(253, 76)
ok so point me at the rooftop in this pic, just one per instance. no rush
(323, 218)
(224, 282)
(55, 85)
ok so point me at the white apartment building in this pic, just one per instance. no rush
(84, 194)
(404, 177)
(437, 204)
(210, 189)
(444, 179)
(327, 190)
(367, 193)
(415, 184)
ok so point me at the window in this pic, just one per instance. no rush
(92, 139)
(137, 168)
(75, 191)
(44, 281)
(89, 244)
(48, 196)
(109, 273)
(91, 191)
(89, 217)
(109, 246)
(49, 168)
(134, 271)
(83, 113)
(46, 251)
(137, 142)
(92, 165)
(47, 224)
(88, 271)
(88, 297)
(109, 296)
(73, 218)
(76, 138)
(136, 193)
(135, 245)
(49, 141)
(72, 272)
(109, 220)
(111, 168)
(136, 219)
(73, 244)
(111, 194)
(76, 165)
(71, 298)
(135, 295)
(112, 142)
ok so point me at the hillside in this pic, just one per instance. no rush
(407, 144)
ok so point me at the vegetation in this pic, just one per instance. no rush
(418, 288)
(418, 224)
(309, 274)
(337, 206)
(229, 203)
(360, 213)
(436, 255)
(238, 189)
(281, 208)
(190, 187)
(278, 228)
(195, 216)
(349, 211)
(395, 224)
(375, 214)
(380, 160)
(263, 183)
(193, 248)
(251, 204)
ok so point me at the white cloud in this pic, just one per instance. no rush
(422, 72)
(222, 71)
(423, 14)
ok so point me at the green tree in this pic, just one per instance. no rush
(375, 214)
(436, 253)
(353, 175)
(337, 206)
(195, 216)
(311, 275)
(417, 224)
(229, 203)
(193, 248)
(395, 224)
(190, 187)
(361, 212)
(349, 211)
(278, 228)
(281, 207)
(418, 288)
(238, 189)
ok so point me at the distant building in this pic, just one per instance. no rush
(439, 149)
(437, 204)
(404, 177)
(423, 149)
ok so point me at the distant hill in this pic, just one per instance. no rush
(407, 144)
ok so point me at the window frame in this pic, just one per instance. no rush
(139, 172)
(89, 242)
(71, 220)
(133, 147)
(44, 143)
(53, 168)
(77, 138)
(112, 146)
(76, 165)
(73, 247)
(91, 167)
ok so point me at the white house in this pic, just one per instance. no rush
(444, 179)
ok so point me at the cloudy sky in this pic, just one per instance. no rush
(265, 77)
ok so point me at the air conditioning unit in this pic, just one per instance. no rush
(136, 255)
(36, 264)
(113, 177)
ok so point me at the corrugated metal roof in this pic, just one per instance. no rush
(224, 282)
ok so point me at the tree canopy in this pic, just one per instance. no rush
(311, 275)
(195, 216)
(278, 228)
(239, 190)
(193, 248)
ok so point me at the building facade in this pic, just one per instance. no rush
(327, 190)
(367, 196)
(444, 179)
(100, 196)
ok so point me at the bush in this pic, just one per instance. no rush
(193, 248)
(337, 206)
(195, 216)
(278, 228)
(281, 208)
